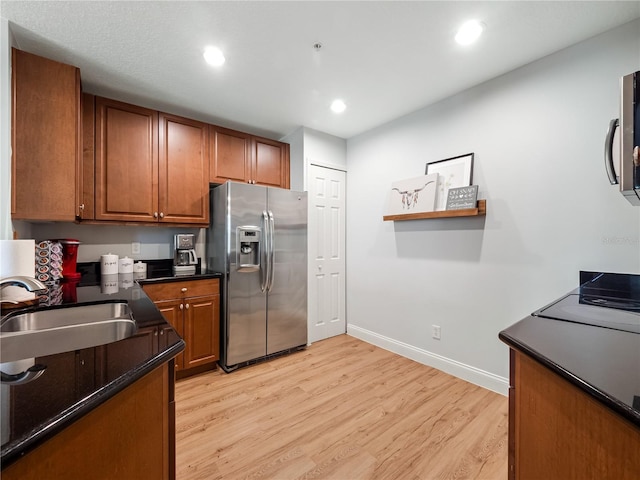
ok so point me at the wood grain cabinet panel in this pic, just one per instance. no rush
(270, 162)
(230, 155)
(241, 157)
(560, 432)
(150, 167)
(192, 307)
(129, 436)
(126, 162)
(183, 170)
(45, 139)
(171, 310)
(202, 330)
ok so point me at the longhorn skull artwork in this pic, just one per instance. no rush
(409, 198)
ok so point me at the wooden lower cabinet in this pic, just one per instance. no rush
(557, 431)
(193, 309)
(131, 435)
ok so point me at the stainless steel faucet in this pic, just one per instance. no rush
(31, 284)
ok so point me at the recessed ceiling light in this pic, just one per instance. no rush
(469, 32)
(338, 106)
(214, 56)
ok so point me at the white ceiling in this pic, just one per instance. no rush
(384, 59)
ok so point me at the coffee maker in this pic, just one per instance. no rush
(184, 257)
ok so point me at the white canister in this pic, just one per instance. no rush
(108, 264)
(125, 265)
(139, 267)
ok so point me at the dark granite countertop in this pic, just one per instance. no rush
(76, 382)
(603, 362)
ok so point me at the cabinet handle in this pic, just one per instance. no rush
(155, 334)
(155, 214)
(161, 215)
(183, 289)
(181, 306)
(161, 332)
(187, 306)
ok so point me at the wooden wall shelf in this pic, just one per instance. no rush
(481, 209)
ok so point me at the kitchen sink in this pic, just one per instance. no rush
(47, 332)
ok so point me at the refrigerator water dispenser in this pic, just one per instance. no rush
(248, 249)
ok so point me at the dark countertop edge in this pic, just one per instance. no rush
(179, 278)
(602, 397)
(86, 405)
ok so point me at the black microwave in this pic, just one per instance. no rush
(625, 169)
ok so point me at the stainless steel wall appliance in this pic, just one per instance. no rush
(626, 171)
(184, 256)
(258, 239)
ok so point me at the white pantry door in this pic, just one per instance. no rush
(327, 311)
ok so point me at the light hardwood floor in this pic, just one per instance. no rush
(341, 409)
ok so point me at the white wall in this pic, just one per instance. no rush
(155, 242)
(537, 134)
(309, 146)
(6, 41)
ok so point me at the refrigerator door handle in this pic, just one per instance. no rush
(265, 268)
(272, 252)
(608, 151)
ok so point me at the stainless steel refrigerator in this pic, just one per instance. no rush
(258, 240)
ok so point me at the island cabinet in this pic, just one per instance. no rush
(557, 431)
(242, 157)
(150, 167)
(192, 308)
(131, 435)
(45, 139)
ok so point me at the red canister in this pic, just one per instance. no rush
(69, 258)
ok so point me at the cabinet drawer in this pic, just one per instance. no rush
(180, 289)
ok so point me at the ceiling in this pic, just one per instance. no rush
(384, 59)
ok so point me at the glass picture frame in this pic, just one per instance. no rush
(453, 172)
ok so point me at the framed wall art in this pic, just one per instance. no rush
(453, 172)
(413, 195)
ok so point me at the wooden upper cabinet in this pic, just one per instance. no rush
(149, 166)
(126, 162)
(45, 139)
(87, 199)
(230, 155)
(183, 170)
(242, 157)
(270, 162)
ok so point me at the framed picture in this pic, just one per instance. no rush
(413, 195)
(453, 172)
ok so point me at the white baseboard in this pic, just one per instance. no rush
(471, 374)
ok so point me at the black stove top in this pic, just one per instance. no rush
(609, 300)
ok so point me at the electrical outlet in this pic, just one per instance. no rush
(435, 331)
(135, 248)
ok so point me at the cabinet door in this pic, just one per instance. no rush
(126, 162)
(172, 310)
(87, 199)
(183, 170)
(45, 139)
(270, 164)
(202, 324)
(230, 155)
